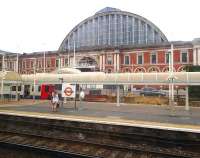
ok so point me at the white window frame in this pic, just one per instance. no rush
(128, 59)
(140, 54)
(153, 53)
(184, 51)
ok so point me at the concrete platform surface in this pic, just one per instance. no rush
(141, 115)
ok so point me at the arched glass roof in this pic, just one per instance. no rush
(112, 27)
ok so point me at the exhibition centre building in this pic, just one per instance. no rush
(110, 41)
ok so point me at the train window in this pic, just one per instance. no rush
(95, 92)
(13, 88)
(19, 88)
(58, 86)
(32, 88)
(39, 88)
(46, 88)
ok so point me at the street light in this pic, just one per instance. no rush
(171, 77)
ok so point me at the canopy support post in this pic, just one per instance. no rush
(187, 100)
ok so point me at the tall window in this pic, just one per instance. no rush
(66, 62)
(184, 56)
(127, 59)
(48, 62)
(153, 58)
(140, 59)
(167, 56)
(57, 62)
(39, 64)
(109, 60)
(24, 64)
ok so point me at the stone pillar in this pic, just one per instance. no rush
(196, 51)
(100, 62)
(118, 62)
(115, 63)
(103, 68)
(198, 55)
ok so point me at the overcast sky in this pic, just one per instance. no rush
(36, 25)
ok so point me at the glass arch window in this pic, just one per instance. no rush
(112, 27)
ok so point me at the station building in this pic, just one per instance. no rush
(110, 41)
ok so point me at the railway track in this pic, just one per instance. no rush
(95, 140)
(72, 148)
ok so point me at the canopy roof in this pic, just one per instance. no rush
(179, 78)
(10, 76)
(67, 71)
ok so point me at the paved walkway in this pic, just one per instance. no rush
(142, 114)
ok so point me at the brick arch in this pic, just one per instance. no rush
(140, 69)
(127, 69)
(181, 69)
(109, 70)
(153, 69)
(166, 69)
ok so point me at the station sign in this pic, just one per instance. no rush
(68, 90)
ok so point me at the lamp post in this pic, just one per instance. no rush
(171, 76)
(74, 63)
(34, 66)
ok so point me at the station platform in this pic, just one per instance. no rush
(149, 116)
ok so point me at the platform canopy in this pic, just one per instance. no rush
(67, 71)
(179, 78)
(10, 76)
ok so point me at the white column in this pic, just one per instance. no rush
(198, 56)
(187, 99)
(100, 62)
(17, 63)
(115, 62)
(118, 63)
(44, 64)
(34, 80)
(3, 63)
(103, 62)
(172, 69)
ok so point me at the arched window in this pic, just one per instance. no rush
(140, 69)
(154, 69)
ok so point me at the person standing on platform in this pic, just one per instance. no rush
(81, 96)
(55, 101)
